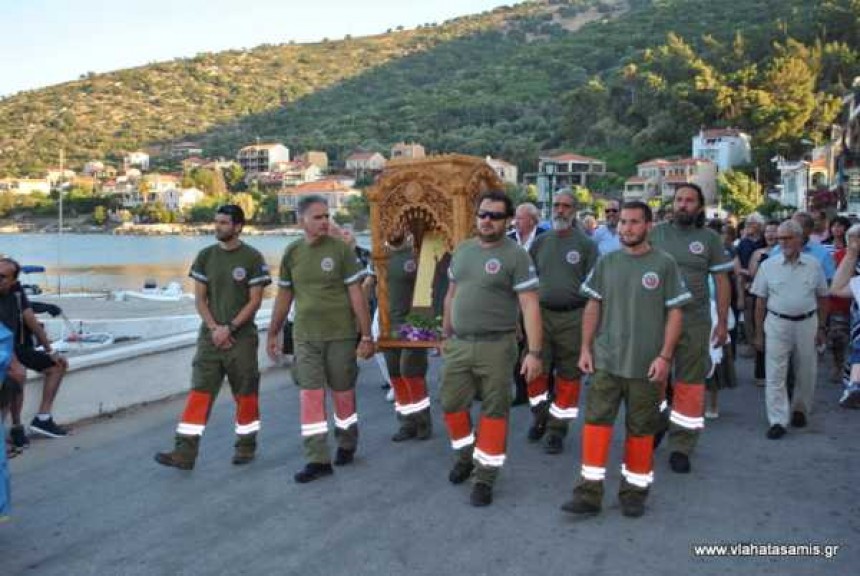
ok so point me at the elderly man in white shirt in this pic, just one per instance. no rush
(791, 315)
(526, 220)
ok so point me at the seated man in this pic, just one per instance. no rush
(17, 315)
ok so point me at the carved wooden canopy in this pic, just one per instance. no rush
(433, 194)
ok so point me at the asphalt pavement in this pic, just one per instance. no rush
(96, 503)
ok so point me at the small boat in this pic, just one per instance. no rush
(82, 342)
(170, 293)
(31, 286)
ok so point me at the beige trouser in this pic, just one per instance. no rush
(784, 340)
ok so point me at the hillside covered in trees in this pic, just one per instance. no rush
(636, 81)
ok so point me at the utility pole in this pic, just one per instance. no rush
(60, 222)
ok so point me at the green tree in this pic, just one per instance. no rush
(100, 215)
(359, 209)
(234, 177)
(247, 203)
(739, 193)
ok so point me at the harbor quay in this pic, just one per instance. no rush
(96, 503)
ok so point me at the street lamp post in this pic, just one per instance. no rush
(550, 169)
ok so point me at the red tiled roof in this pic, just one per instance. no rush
(636, 180)
(654, 162)
(320, 186)
(571, 157)
(688, 161)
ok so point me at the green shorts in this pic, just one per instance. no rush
(325, 364)
(693, 354)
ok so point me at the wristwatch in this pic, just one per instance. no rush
(535, 353)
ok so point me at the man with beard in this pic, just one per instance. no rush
(489, 276)
(229, 281)
(636, 286)
(699, 253)
(324, 276)
(563, 257)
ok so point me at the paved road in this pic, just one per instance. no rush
(97, 504)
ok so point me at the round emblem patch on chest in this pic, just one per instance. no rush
(239, 274)
(650, 280)
(572, 257)
(409, 266)
(327, 264)
(492, 266)
(697, 247)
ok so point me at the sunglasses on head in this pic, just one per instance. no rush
(492, 215)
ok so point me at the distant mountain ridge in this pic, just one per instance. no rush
(635, 81)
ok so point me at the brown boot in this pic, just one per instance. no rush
(244, 449)
(424, 425)
(183, 454)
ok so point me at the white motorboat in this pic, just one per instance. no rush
(172, 292)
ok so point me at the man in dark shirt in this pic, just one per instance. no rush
(752, 241)
(16, 313)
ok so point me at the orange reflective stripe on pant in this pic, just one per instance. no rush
(402, 397)
(344, 409)
(537, 390)
(688, 405)
(638, 467)
(595, 450)
(417, 387)
(247, 414)
(313, 412)
(566, 403)
(492, 438)
(459, 429)
(196, 413)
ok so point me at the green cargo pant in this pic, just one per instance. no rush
(322, 365)
(484, 366)
(692, 361)
(641, 399)
(562, 335)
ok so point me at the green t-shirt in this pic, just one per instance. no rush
(402, 272)
(488, 281)
(698, 252)
(319, 276)
(229, 276)
(635, 293)
(562, 264)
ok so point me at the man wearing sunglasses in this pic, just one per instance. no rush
(606, 236)
(229, 280)
(491, 278)
(563, 258)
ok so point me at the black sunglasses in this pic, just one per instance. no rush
(611, 210)
(492, 215)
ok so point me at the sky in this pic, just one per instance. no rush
(47, 42)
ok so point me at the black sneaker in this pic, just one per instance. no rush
(313, 471)
(776, 432)
(47, 428)
(679, 463)
(482, 495)
(405, 433)
(344, 457)
(553, 444)
(461, 471)
(19, 437)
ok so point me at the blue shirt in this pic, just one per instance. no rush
(606, 240)
(820, 253)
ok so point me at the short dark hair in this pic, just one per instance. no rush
(841, 220)
(234, 211)
(306, 202)
(642, 206)
(497, 196)
(14, 264)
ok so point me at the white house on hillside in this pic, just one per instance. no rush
(725, 147)
(369, 161)
(659, 178)
(139, 159)
(261, 157)
(505, 170)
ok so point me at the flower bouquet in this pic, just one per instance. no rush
(418, 328)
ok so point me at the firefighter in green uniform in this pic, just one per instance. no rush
(323, 275)
(489, 276)
(563, 257)
(229, 281)
(699, 253)
(406, 367)
(637, 287)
